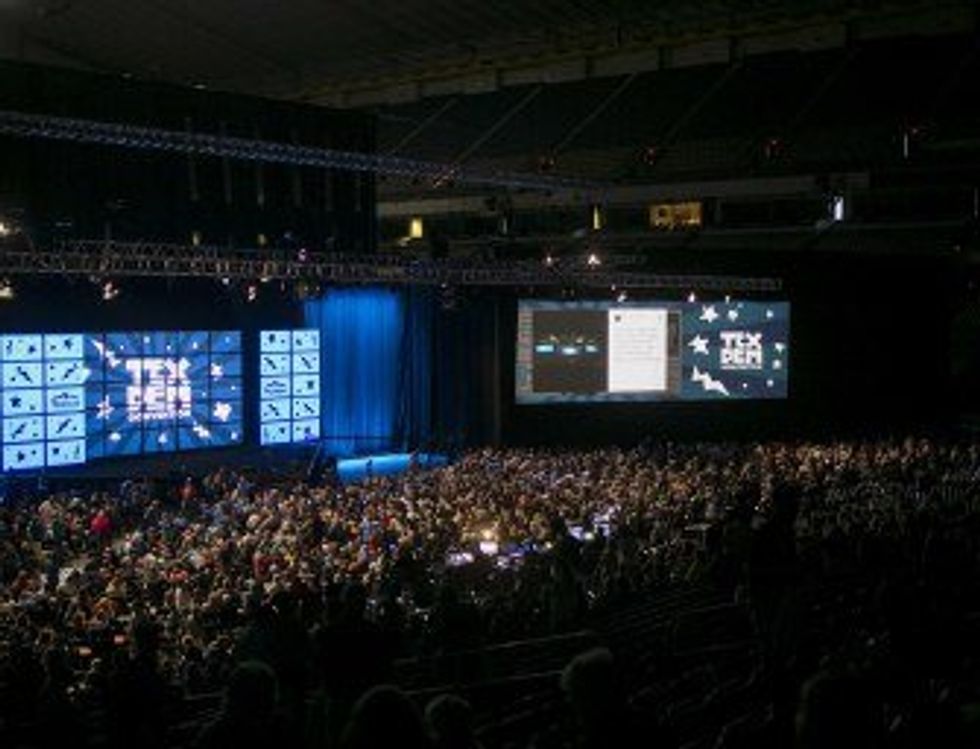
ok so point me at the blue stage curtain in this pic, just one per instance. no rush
(361, 335)
(415, 422)
(402, 373)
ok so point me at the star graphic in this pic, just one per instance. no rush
(114, 437)
(769, 383)
(769, 314)
(699, 345)
(733, 314)
(201, 431)
(21, 457)
(777, 364)
(780, 347)
(222, 411)
(16, 401)
(708, 383)
(708, 314)
(217, 371)
(162, 439)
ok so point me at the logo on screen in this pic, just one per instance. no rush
(741, 350)
(66, 400)
(159, 390)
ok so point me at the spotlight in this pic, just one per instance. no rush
(488, 543)
(109, 291)
(549, 260)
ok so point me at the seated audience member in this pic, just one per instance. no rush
(450, 722)
(598, 705)
(838, 711)
(385, 717)
(249, 717)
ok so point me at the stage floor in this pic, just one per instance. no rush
(288, 462)
(391, 464)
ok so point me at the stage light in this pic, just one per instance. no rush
(837, 208)
(416, 229)
(549, 260)
(728, 298)
(489, 548)
(488, 542)
(5, 229)
(303, 255)
(593, 261)
(692, 297)
(109, 291)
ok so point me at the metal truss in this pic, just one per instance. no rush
(110, 259)
(25, 125)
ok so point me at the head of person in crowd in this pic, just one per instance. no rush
(385, 716)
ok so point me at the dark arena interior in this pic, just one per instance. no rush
(516, 374)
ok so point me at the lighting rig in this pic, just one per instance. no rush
(26, 125)
(103, 258)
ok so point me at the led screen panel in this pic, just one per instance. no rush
(609, 352)
(289, 386)
(66, 398)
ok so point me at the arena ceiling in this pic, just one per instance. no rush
(316, 49)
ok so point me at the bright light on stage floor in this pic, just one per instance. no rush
(391, 464)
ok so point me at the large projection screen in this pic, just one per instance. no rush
(66, 398)
(570, 352)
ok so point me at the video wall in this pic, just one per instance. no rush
(606, 352)
(289, 386)
(71, 397)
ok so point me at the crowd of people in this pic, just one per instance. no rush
(123, 603)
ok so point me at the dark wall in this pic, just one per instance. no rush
(79, 190)
(870, 353)
(51, 304)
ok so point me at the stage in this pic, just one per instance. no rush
(292, 462)
(390, 464)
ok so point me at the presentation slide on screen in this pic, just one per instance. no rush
(605, 351)
(289, 388)
(66, 398)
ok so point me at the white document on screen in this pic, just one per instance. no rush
(637, 350)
